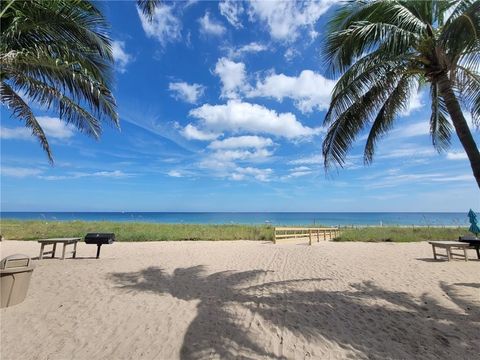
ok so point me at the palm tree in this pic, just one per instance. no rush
(384, 50)
(56, 54)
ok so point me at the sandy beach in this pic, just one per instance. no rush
(245, 300)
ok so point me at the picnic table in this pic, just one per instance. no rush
(448, 246)
(54, 242)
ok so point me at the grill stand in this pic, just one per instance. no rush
(98, 250)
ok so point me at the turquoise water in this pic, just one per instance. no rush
(274, 218)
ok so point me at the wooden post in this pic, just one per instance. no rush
(54, 249)
(324, 235)
(318, 236)
(310, 236)
(74, 250)
(42, 246)
(63, 252)
(274, 235)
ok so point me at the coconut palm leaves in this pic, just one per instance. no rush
(56, 55)
(384, 50)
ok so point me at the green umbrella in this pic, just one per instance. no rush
(473, 221)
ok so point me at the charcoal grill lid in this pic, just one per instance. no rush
(100, 235)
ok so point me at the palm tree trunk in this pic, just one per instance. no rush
(460, 124)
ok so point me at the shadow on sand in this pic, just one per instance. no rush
(367, 321)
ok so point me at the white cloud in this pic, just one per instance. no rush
(56, 128)
(210, 26)
(412, 130)
(238, 116)
(415, 103)
(301, 168)
(19, 133)
(53, 128)
(310, 160)
(251, 172)
(290, 54)
(191, 132)
(19, 172)
(285, 19)
(251, 48)
(232, 10)
(189, 93)
(116, 174)
(165, 27)
(233, 77)
(228, 157)
(248, 141)
(309, 90)
(175, 173)
(457, 155)
(408, 151)
(121, 57)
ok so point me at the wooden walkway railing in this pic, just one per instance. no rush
(324, 233)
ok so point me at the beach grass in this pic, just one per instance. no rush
(401, 234)
(137, 231)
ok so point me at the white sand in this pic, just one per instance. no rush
(246, 300)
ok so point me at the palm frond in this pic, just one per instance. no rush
(440, 128)
(148, 7)
(344, 129)
(22, 111)
(395, 104)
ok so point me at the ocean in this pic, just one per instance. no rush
(256, 218)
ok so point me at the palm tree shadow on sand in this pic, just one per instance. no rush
(366, 321)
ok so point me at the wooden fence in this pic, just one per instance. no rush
(323, 233)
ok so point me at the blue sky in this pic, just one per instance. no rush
(221, 107)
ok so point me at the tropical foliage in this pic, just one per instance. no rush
(56, 54)
(384, 50)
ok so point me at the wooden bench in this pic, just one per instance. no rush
(448, 246)
(54, 242)
(326, 233)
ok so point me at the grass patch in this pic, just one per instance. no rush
(137, 231)
(32, 230)
(401, 234)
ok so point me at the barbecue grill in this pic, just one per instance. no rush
(473, 241)
(99, 239)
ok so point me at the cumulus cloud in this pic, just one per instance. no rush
(233, 77)
(56, 128)
(189, 93)
(165, 27)
(52, 126)
(309, 90)
(248, 141)
(18, 133)
(232, 10)
(238, 116)
(191, 132)
(241, 173)
(121, 57)
(210, 26)
(285, 19)
(251, 48)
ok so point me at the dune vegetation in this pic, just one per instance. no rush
(137, 231)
